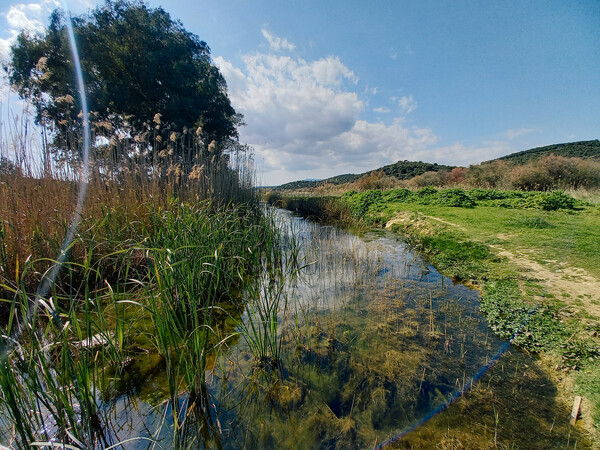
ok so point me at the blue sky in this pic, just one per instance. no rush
(341, 86)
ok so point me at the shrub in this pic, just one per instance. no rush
(456, 198)
(426, 179)
(375, 180)
(489, 175)
(397, 195)
(455, 176)
(556, 200)
(362, 202)
(487, 194)
(556, 172)
(273, 198)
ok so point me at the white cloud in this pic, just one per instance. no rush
(290, 100)
(5, 48)
(24, 16)
(515, 133)
(303, 119)
(382, 110)
(277, 43)
(408, 104)
(331, 71)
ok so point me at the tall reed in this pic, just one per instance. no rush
(175, 247)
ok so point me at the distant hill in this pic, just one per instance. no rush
(305, 184)
(582, 149)
(403, 170)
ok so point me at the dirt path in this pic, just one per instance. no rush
(574, 286)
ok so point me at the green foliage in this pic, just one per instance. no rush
(548, 201)
(455, 197)
(361, 203)
(555, 200)
(405, 170)
(397, 195)
(273, 198)
(458, 260)
(197, 261)
(428, 192)
(489, 194)
(534, 328)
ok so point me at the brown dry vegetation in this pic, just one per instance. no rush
(38, 201)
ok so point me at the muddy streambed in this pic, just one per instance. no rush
(358, 344)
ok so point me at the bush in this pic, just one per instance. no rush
(362, 202)
(426, 179)
(456, 176)
(455, 197)
(556, 172)
(556, 200)
(375, 180)
(397, 195)
(273, 198)
(487, 194)
(490, 175)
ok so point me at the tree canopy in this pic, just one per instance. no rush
(144, 74)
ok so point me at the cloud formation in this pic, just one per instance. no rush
(304, 117)
(407, 104)
(24, 16)
(32, 17)
(277, 43)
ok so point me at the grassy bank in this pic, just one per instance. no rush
(534, 256)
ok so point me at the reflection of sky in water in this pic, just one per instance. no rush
(340, 262)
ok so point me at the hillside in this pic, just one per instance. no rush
(305, 184)
(405, 170)
(402, 170)
(581, 149)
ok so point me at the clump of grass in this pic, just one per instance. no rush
(532, 222)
